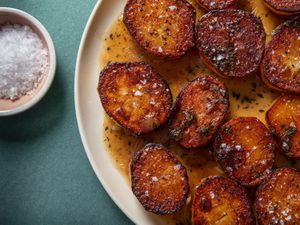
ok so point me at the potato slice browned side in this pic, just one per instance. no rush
(199, 111)
(286, 7)
(284, 120)
(231, 42)
(135, 96)
(217, 4)
(220, 200)
(280, 67)
(278, 198)
(163, 28)
(245, 148)
(159, 180)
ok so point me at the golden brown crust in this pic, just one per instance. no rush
(159, 180)
(286, 7)
(284, 120)
(278, 198)
(231, 42)
(135, 96)
(163, 28)
(280, 67)
(219, 200)
(245, 148)
(217, 4)
(199, 111)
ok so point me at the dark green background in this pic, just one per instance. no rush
(45, 176)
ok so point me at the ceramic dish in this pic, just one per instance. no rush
(15, 16)
(91, 116)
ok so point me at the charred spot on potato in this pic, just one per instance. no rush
(219, 200)
(187, 120)
(246, 154)
(162, 28)
(205, 204)
(284, 120)
(135, 96)
(199, 111)
(159, 180)
(280, 66)
(286, 7)
(231, 42)
(277, 199)
(217, 4)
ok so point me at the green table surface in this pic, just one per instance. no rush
(45, 176)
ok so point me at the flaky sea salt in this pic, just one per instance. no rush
(23, 61)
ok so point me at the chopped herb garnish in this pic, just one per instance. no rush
(286, 138)
(260, 95)
(189, 69)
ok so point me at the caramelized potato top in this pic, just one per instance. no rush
(284, 120)
(217, 4)
(135, 96)
(231, 42)
(219, 200)
(162, 27)
(159, 180)
(244, 148)
(199, 111)
(281, 63)
(286, 7)
(278, 198)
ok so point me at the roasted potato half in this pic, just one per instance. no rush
(220, 200)
(135, 96)
(280, 67)
(284, 120)
(217, 4)
(162, 28)
(231, 42)
(159, 180)
(245, 148)
(199, 111)
(278, 198)
(286, 7)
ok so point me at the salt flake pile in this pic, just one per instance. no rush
(23, 61)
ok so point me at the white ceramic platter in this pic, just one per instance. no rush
(90, 114)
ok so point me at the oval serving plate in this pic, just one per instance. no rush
(90, 114)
